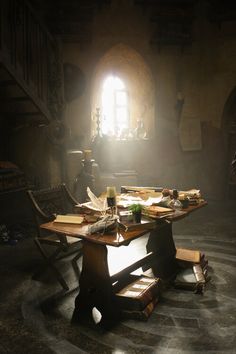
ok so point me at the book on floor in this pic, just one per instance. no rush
(138, 293)
(191, 278)
(186, 279)
(187, 255)
(199, 274)
(141, 315)
(186, 258)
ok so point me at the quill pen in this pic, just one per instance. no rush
(100, 204)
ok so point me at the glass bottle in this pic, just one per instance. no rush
(175, 202)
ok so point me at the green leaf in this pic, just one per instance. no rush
(136, 208)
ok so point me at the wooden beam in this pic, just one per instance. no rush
(7, 83)
(14, 99)
(21, 114)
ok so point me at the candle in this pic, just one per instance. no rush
(87, 154)
(111, 192)
(111, 198)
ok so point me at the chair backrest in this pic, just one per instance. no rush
(49, 202)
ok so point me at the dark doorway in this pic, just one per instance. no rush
(229, 121)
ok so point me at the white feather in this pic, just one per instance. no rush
(100, 204)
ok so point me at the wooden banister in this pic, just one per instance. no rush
(31, 56)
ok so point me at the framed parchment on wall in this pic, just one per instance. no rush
(190, 134)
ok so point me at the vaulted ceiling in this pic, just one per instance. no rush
(172, 19)
(71, 19)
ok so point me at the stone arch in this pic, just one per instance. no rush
(126, 63)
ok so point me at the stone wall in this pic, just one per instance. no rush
(188, 148)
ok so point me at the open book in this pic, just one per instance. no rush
(191, 278)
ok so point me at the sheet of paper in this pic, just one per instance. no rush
(90, 205)
(127, 200)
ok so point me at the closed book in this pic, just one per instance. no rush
(137, 294)
(188, 258)
(187, 255)
(69, 219)
(205, 272)
(141, 315)
(203, 262)
(157, 211)
(126, 189)
(199, 274)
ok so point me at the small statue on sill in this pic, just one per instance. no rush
(140, 132)
(126, 134)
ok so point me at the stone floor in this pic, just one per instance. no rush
(35, 315)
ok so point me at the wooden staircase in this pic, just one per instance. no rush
(30, 68)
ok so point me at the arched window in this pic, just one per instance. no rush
(115, 107)
(123, 96)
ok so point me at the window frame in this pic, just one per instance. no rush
(114, 121)
(125, 106)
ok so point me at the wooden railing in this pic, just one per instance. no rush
(31, 56)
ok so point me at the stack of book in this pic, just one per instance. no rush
(138, 297)
(193, 270)
(156, 211)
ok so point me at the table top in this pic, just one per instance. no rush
(180, 214)
(117, 237)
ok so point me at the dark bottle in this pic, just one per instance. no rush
(111, 201)
(175, 194)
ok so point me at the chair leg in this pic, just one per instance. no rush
(49, 261)
(75, 265)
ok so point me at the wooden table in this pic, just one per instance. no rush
(96, 284)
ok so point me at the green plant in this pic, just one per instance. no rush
(136, 208)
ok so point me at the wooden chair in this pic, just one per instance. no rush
(46, 204)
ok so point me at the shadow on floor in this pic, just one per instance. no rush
(35, 316)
